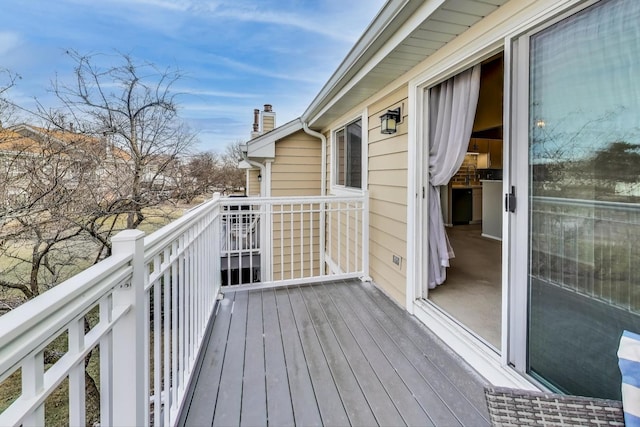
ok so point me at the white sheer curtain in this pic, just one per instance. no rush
(451, 111)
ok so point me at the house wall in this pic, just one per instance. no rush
(344, 238)
(387, 185)
(296, 169)
(388, 158)
(254, 185)
(387, 169)
(298, 230)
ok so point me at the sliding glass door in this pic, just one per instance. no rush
(583, 204)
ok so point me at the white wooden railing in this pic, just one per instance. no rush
(150, 303)
(288, 240)
(143, 312)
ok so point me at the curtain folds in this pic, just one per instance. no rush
(451, 112)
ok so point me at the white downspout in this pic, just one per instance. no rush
(323, 189)
(262, 170)
(323, 155)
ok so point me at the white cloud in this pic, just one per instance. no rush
(214, 93)
(304, 22)
(8, 41)
(236, 55)
(193, 109)
(262, 71)
(172, 5)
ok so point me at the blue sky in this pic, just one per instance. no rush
(236, 55)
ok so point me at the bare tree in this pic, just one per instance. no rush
(42, 187)
(133, 106)
(90, 170)
(207, 172)
(201, 174)
(233, 178)
(8, 80)
(232, 154)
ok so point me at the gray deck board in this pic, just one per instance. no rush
(229, 403)
(402, 382)
(354, 401)
(254, 393)
(339, 353)
(303, 398)
(330, 405)
(200, 410)
(279, 409)
(382, 406)
(456, 385)
(409, 362)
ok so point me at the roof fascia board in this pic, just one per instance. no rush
(377, 27)
(316, 109)
(263, 146)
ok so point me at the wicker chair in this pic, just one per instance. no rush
(510, 407)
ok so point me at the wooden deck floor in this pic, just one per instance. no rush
(333, 354)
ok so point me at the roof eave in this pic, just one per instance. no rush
(378, 28)
(263, 146)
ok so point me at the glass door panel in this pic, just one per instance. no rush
(584, 196)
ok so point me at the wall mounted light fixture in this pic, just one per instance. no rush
(259, 177)
(389, 121)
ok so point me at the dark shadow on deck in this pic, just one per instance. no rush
(338, 353)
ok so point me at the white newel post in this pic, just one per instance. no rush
(365, 235)
(266, 243)
(128, 336)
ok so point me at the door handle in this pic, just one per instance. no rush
(510, 200)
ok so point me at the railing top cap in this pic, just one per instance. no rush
(126, 235)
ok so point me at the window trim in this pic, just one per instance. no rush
(340, 189)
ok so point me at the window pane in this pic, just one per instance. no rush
(340, 157)
(584, 169)
(354, 154)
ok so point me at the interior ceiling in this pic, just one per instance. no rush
(453, 18)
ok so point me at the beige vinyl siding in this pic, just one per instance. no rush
(296, 171)
(268, 122)
(254, 184)
(297, 232)
(296, 168)
(387, 165)
(344, 236)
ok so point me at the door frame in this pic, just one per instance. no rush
(512, 360)
(484, 358)
(516, 317)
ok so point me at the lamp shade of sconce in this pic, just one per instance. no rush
(389, 121)
(260, 178)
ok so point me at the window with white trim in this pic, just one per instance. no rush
(348, 155)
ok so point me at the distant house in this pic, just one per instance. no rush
(26, 148)
(441, 113)
(285, 161)
(108, 161)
